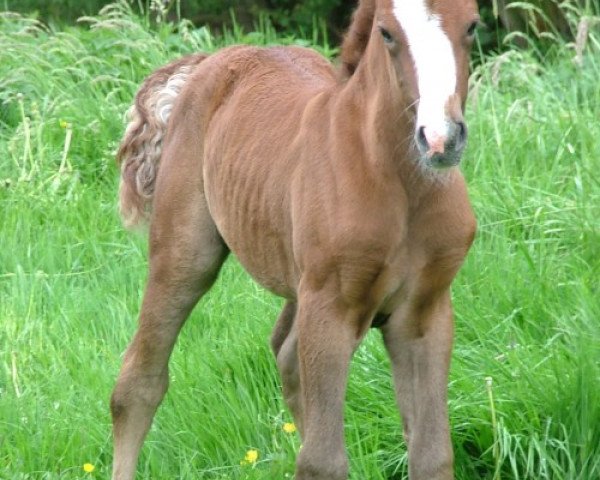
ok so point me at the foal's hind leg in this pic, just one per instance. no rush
(186, 253)
(283, 327)
(284, 342)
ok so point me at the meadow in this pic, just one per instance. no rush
(525, 378)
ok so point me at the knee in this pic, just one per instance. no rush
(321, 465)
(432, 467)
(117, 406)
(119, 401)
(141, 390)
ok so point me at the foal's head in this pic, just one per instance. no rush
(429, 42)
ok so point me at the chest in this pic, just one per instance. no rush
(389, 256)
(430, 255)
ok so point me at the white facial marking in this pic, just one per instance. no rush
(434, 60)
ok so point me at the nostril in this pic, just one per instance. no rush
(462, 134)
(422, 139)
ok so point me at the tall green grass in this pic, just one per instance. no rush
(525, 381)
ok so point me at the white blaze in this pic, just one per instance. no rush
(434, 61)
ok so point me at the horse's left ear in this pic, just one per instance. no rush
(357, 38)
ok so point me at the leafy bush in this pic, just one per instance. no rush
(536, 18)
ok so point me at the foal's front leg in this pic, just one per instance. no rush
(419, 341)
(327, 337)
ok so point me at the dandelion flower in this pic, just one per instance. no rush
(88, 468)
(289, 427)
(63, 124)
(250, 458)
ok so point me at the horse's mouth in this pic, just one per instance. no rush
(443, 161)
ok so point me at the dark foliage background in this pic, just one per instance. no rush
(298, 16)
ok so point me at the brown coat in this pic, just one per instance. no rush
(312, 178)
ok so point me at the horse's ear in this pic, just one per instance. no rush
(357, 38)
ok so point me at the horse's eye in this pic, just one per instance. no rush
(387, 36)
(472, 29)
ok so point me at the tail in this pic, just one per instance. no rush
(140, 149)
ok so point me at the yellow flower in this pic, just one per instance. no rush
(289, 427)
(250, 458)
(88, 468)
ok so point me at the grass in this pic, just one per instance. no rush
(71, 279)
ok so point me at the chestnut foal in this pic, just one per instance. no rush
(337, 190)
